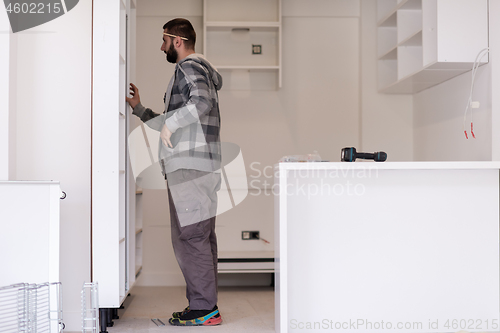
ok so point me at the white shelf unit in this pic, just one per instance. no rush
(113, 188)
(422, 43)
(231, 27)
(138, 231)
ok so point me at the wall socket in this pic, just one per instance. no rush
(256, 49)
(248, 235)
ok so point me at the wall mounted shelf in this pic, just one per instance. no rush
(422, 43)
(230, 33)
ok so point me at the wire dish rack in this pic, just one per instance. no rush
(34, 308)
(90, 308)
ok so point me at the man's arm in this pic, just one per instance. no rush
(148, 116)
(135, 99)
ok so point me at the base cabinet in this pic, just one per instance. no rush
(384, 246)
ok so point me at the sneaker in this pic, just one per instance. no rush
(180, 313)
(198, 318)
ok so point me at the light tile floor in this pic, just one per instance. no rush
(243, 309)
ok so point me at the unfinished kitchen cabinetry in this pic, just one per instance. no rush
(422, 43)
(244, 41)
(113, 189)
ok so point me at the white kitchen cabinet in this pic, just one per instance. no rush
(387, 247)
(30, 232)
(113, 187)
(232, 29)
(422, 43)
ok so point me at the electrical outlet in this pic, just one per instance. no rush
(254, 235)
(256, 49)
(248, 235)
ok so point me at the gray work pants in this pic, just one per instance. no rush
(195, 244)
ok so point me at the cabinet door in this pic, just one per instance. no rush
(111, 199)
(30, 232)
(462, 28)
(429, 31)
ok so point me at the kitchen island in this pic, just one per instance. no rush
(394, 246)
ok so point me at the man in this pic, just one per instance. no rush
(190, 158)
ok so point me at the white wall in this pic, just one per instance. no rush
(316, 109)
(438, 120)
(270, 124)
(4, 96)
(494, 35)
(439, 111)
(53, 134)
(7, 99)
(328, 101)
(386, 120)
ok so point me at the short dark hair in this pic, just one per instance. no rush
(183, 28)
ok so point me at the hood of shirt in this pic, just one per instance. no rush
(214, 74)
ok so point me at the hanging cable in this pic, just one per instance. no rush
(475, 67)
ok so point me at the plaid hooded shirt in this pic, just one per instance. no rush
(192, 115)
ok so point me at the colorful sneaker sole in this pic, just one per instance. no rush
(211, 319)
(215, 320)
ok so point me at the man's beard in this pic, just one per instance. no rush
(172, 54)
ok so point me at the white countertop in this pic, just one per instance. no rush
(459, 165)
